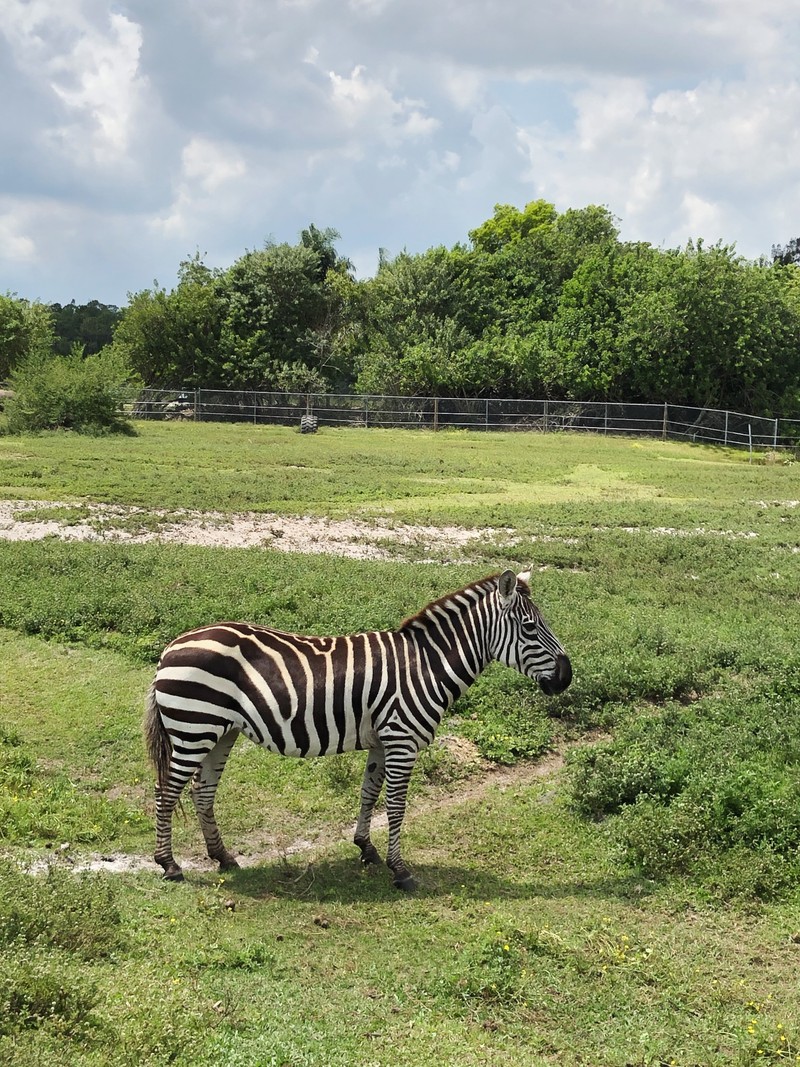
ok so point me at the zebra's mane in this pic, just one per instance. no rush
(483, 587)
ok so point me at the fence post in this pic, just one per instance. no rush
(605, 421)
(775, 437)
(726, 427)
(366, 411)
(487, 414)
(435, 414)
(664, 429)
(545, 417)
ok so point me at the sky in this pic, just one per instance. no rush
(134, 135)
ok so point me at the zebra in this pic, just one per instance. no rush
(383, 691)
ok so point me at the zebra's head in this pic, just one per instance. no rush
(523, 640)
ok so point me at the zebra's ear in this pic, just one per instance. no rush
(507, 587)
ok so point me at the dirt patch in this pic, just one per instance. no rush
(23, 520)
(353, 538)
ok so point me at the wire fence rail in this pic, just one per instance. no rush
(308, 411)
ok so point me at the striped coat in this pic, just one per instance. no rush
(296, 695)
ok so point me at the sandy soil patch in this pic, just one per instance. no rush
(353, 538)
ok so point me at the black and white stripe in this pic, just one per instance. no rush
(312, 696)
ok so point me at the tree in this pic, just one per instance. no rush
(700, 327)
(415, 324)
(26, 329)
(274, 302)
(323, 242)
(788, 253)
(172, 339)
(509, 225)
(89, 325)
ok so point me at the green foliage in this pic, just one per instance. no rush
(508, 225)
(44, 806)
(72, 392)
(36, 993)
(271, 320)
(505, 718)
(711, 790)
(26, 332)
(274, 299)
(48, 923)
(89, 325)
(77, 914)
(173, 338)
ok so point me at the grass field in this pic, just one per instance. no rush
(635, 903)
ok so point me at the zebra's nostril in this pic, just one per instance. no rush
(564, 671)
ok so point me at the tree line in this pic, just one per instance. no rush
(538, 303)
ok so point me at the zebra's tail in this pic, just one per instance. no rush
(156, 738)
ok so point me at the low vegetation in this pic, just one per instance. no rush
(639, 906)
(69, 392)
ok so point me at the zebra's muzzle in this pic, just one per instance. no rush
(557, 682)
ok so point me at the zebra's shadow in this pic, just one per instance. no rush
(344, 881)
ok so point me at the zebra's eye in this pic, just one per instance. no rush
(530, 627)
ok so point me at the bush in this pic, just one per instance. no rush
(70, 392)
(711, 792)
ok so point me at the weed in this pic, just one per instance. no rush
(36, 992)
(77, 914)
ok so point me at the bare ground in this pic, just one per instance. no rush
(353, 538)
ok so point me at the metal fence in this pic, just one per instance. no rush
(667, 421)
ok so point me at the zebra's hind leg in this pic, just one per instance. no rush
(204, 787)
(400, 762)
(374, 774)
(167, 797)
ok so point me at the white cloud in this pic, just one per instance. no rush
(210, 165)
(99, 80)
(398, 122)
(91, 68)
(366, 104)
(206, 168)
(716, 161)
(16, 247)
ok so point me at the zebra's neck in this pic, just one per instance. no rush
(452, 634)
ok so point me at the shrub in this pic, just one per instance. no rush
(70, 392)
(711, 791)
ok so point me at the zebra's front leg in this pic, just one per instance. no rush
(204, 787)
(371, 785)
(399, 765)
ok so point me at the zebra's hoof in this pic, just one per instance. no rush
(369, 854)
(173, 874)
(229, 863)
(407, 884)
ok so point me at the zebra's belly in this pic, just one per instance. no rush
(302, 741)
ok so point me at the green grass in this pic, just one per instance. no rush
(640, 907)
(451, 476)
